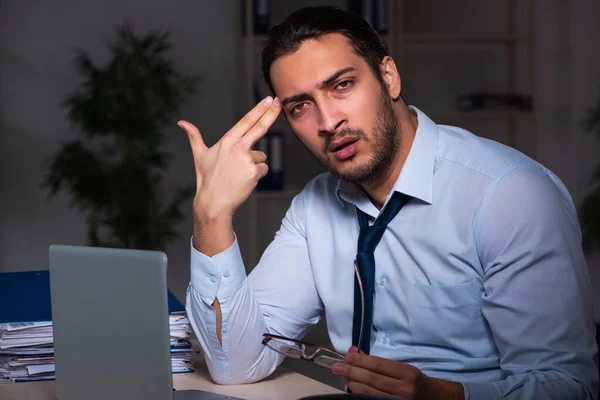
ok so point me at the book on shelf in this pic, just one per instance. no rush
(375, 12)
(489, 101)
(272, 144)
(260, 14)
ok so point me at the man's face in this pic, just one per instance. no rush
(338, 108)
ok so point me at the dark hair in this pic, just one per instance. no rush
(312, 22)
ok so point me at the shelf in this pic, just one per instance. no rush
(459, 39)
(264, 37)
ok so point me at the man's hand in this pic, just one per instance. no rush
(226, 174)
(375, 375)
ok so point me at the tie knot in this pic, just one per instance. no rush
(391, 209)
(369, 237)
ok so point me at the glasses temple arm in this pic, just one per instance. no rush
(362, 302)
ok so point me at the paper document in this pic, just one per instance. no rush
(25, 325)
(40, 369)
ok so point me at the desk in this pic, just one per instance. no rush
(282, 385)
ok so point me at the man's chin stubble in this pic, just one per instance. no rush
(363, 175)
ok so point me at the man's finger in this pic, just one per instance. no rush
(358, 375)
(262, 170)
(250, 118)
(258, 156)
(380, 365)
(194, 136)
(262, 125)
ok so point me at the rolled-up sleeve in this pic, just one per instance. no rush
(223, 273)
(537, 291)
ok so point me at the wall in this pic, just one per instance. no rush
(567, 84)
(36, 43)
(584, 74)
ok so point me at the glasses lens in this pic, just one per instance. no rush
(286, 347)
(327, 358)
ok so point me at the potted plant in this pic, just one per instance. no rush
(114, 171)
(590, 207)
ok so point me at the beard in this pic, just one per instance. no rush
(384, 145)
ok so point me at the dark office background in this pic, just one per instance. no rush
(36, 42)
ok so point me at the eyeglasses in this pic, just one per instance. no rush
(298, 349)
(311, 352)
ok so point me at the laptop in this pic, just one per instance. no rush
(111, 325)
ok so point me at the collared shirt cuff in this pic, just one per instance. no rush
(219, 276)
(475, 391)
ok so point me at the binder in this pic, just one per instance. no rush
(175, 305)
(25, 297)
(362, 7)
(261, 17)
(272, 145)
(375, 12)
(380, 16)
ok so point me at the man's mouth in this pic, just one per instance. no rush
(341, 143)
(344, 148)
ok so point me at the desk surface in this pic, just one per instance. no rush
(282, 385)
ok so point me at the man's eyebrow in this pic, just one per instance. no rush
(325, 83)
(294, 98)
(333, 77)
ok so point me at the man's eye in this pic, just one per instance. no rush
(298, 108)
(343, 85)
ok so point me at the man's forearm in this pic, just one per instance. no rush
(219, 320)
(213, 234)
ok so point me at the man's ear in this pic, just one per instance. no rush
(391, 77)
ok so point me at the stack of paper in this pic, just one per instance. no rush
(181, 348)
(26, 351)
(26, 347)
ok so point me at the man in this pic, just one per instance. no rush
(481, 289)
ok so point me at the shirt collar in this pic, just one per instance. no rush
(416, 177)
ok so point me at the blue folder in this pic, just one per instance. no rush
(25, 297)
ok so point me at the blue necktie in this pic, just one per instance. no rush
(368, 239)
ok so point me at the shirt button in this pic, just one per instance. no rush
(224, 330)
(382, 280)
(226, 273)
(384, 340)
(212, 278)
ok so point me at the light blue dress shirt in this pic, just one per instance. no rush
(480, 278)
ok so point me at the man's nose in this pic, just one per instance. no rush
(331, 119)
